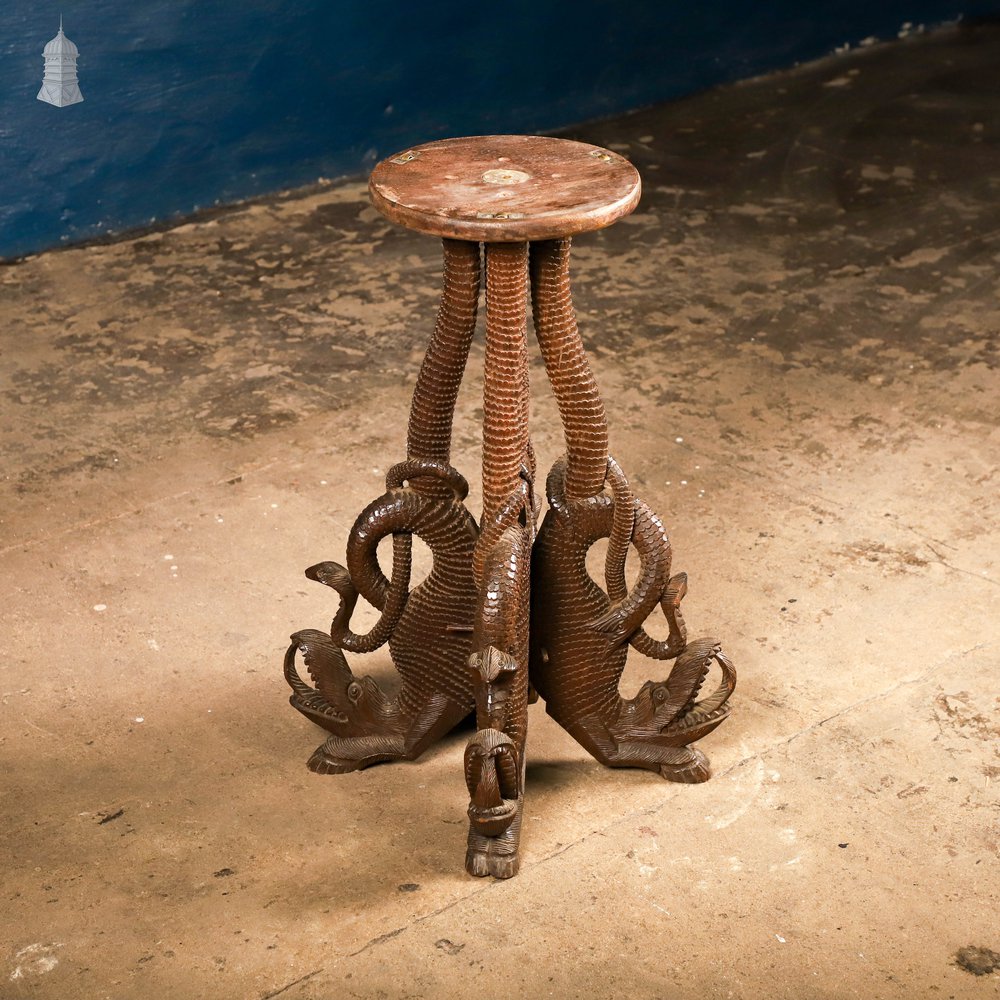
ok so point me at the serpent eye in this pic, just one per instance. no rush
(660, 695)
(354, 692)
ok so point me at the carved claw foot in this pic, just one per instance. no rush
(497, 856)
(581, 636)
(691, 767)
(493, 774)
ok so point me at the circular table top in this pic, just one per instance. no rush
(505, 188)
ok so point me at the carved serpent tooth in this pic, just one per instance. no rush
(653, 732)
(699, 718)
(581, 636)
(428, 628)
(495, 756)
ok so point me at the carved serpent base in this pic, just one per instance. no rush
(461, 639)
(581, 633)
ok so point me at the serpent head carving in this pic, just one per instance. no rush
(340, 701)
(671, 708)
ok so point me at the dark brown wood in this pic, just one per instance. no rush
(429, 628)
(505, 188)
(495, 758)
(461, 640)
(581, 634)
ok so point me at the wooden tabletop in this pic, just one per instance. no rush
(505, 188)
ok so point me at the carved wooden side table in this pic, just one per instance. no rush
(461, 640)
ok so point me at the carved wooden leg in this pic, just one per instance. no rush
(428, 629)
(581, 633)
(494, 758)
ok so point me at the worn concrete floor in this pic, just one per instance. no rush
(797, 333)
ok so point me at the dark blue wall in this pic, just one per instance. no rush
(193, 102)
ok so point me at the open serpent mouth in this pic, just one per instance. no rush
(304, 697)
(318, 705)
(701, 717)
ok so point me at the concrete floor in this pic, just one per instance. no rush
(797, 337)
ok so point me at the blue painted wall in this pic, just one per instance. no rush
(189, 103)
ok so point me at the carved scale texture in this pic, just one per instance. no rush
(502, 705)
(580, 637)
(505, 401)
(573, 667)
(576, 667)
(504, 590)
(429, 653)
(429, 657)
(432, 412)
(502, 622)
(503, 551)
(573, 383)
(516, 575)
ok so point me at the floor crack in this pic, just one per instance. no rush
(288, 986)
(778, 745)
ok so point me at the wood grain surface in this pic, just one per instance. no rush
(505, 188)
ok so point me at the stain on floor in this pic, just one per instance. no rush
(978, 961)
